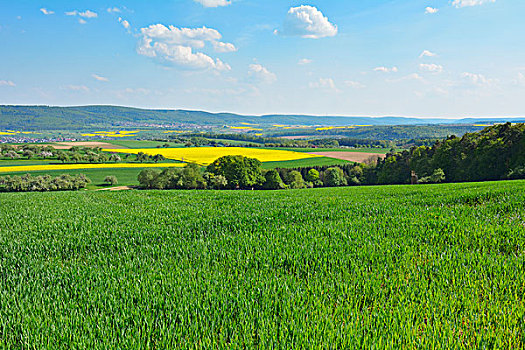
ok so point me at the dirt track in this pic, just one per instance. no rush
(351, 156)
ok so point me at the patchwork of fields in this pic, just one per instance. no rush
(207, 155)
(391, 266)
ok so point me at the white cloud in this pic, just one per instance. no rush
(477, 79)
(307, 22)
(114, 10)
(78, 88)
(261, 73)
(219, 46)
(386, 69)
(465, 3)
(324, 84)
(85, 14)
(354, 84)
(7, 83)
(99, 78)
(520, 80)
(434, 68)
(176, 45)
(214, 3)
(124, 23)
(427, 53)
(46, 11)
(82, 21)
(304, 61)
(431, 10)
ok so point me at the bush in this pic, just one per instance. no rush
(111, 180)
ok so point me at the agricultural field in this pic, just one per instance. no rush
(207, 155)
(435, 266)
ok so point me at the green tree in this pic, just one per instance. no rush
(111, 180)
(240, 172)
(273, 180)
(334, 177)
(296, 180)
(147, 178)
(312, 176)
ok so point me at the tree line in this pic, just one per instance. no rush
(28, 183)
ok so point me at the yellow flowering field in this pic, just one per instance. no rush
(45, 167)
(207, 155)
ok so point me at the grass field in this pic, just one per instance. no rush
(308, 162)
(359, 150)
(438, 266)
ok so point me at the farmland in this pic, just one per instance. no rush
(206, 155)
(390, 266)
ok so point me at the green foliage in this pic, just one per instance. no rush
(401, 267)
(295, 180)
(240, 172)
(334, 177)
(312, 176)
(111, 180)
(273, 181)
(28, 183)
(437, 176)
(187, 178)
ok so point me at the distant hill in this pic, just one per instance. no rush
(88, 117)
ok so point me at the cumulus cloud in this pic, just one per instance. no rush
(324, 84)
(477, 79)
(434, 68)
(465, 3)
(124, 23)
(7, 83)
(46, 11)
(85, 14)
(307, 22)
(431, 10)
(176, 45)
(99, 78)
(304, 61)
(261, 73)
(114, 10)
(427, 53)
(386, 69)
(214, 3)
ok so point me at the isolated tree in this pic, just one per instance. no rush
(111, 180)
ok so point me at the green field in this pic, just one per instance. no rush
(309, 162)
(141, 144)
(359, 150)
(437, 266)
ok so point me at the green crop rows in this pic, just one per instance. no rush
(439, 266)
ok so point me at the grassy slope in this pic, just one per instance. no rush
(400, 266)
(309, 162)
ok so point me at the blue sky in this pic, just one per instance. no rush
(436, 58)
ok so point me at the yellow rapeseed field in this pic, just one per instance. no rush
(112, 134)
(46, 167)
(207, 155)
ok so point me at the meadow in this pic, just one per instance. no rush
(434, 266)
